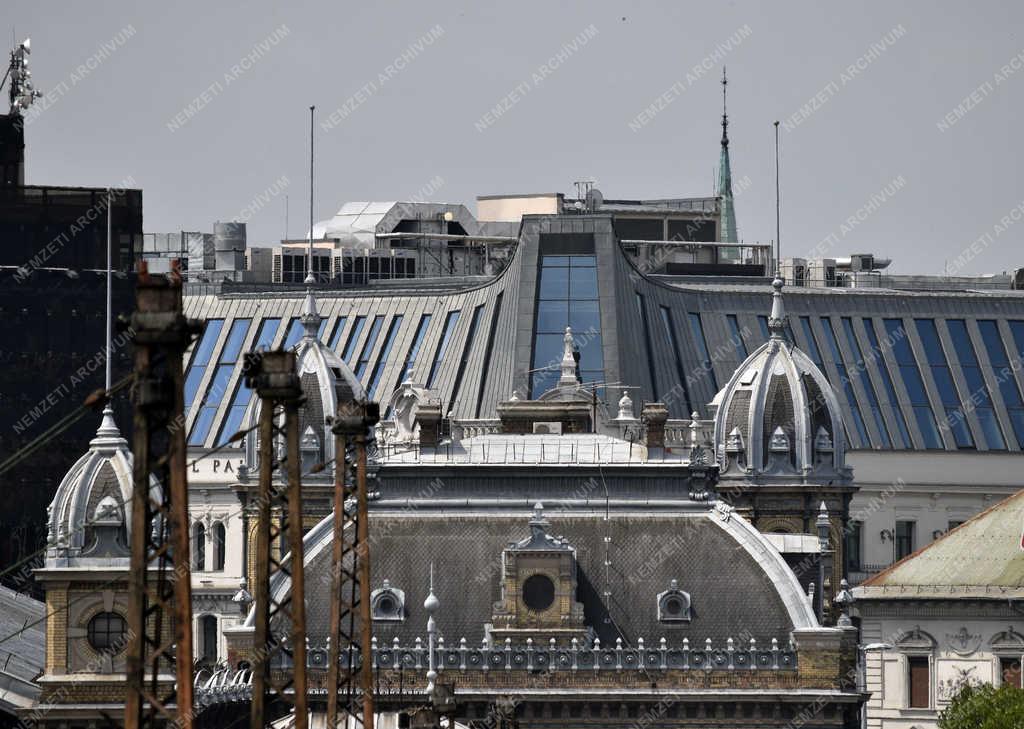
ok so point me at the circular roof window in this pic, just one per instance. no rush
(538, 592)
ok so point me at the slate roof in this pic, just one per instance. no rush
(732, 594)
(22, 647)
(983, 557)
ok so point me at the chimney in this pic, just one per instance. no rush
(428, 417)
(654, 415)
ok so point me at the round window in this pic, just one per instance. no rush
(538, 592)
(108, 632)
(674, 606)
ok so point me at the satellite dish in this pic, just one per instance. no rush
(594, 199)
(27, 45)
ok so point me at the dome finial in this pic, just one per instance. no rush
(777, 321)
(310, 315)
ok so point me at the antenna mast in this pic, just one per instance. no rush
(310, 279)
(778, 236)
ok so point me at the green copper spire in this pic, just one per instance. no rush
(725, 178)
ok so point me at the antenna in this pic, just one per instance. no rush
(286, 218)
(725, 117)
(778, 238)
(310, 279)
(110, 205)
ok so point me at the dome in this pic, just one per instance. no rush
(325, 380)
(778, 415)
(96, 490)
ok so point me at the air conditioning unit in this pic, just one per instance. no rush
(547, 428)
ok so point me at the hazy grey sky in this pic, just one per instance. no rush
(420, 124)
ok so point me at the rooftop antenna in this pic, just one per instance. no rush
(286, 218)
(107, 425)
(310, 279)
(778, 238)
(110, 297)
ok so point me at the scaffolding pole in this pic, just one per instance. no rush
(279, 651)
(349, 664)
(160, 595)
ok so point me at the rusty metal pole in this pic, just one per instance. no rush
(363, 567)
(338, 521)
(350, 573)
(159, 598)
(273, 376)
(261, 648)
(294, 532)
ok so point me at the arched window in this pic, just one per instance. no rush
(198, 547)
(219, 538)
(208, 638)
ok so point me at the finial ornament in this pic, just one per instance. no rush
(777, 320)
(310, 315)
(626, 406)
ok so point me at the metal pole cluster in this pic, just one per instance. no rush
(280, 621)
(160, 599)
(349, 669)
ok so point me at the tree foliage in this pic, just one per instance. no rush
(985, 707)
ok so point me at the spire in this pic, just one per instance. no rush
(729, 234)
(777, 321)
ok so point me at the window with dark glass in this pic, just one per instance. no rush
(1004, 376)
(208, 631)
(737, 336)
(240, 401)
(538, 592)
(219, 534)
(198, 547)
(107, 632)
(953, 525)
(978, 392)
(215, 391)
(486, 369)
(294, 333)
(847, 384)
(467, 349)
(385, 352)
(853, 546)
(860, 367)
(201, 358)
(701, 344)
(640, 228)
(762, 321)
(943, 377)
(668, 322)
(886, 378)
(414, 349)
(907, 365)
(812, 344)
(919, 681)
(353, 337)
(904, 539)
(652, 373)
(339, 326)
(371, 340)
(566, 297)
(442, 346)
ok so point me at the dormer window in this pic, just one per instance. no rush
(779, 442)
(387, 604)
(674, 605)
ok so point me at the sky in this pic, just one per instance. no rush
(899, 121)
